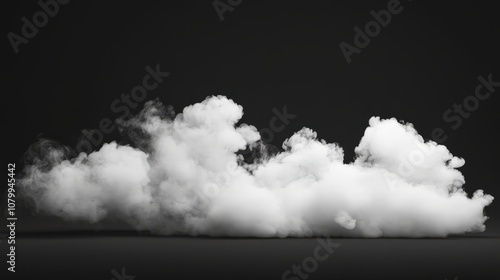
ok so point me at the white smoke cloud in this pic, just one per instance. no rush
(188, 178)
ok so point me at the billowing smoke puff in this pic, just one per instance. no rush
(188, 178)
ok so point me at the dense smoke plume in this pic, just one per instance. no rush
(185, 175)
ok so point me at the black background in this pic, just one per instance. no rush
(263, 55)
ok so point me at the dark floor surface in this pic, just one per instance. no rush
(88, 256)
